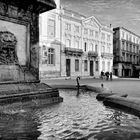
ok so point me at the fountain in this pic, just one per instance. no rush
(19, 51)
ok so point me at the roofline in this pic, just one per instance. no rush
(86, 18)
(73, 12)
(118, 28)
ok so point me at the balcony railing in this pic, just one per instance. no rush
(73, 51)
(92, 54)
(108, 55)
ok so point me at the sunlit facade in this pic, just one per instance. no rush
(74, 45)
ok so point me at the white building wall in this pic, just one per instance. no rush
(61, 17)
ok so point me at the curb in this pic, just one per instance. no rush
(129, 103)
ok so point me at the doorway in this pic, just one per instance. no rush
(91, 68)
(67, 67)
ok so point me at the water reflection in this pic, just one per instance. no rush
(75, 118)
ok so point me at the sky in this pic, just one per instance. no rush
(124, 13)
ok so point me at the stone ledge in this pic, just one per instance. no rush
(130, 103)
(11, 93)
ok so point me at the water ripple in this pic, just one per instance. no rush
(75, 118)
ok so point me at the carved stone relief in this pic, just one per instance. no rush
(8, 48)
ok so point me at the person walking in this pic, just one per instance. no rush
(111, 76)
(107, 75)
(102, 74)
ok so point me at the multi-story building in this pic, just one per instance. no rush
(73, 45)
(126, 53)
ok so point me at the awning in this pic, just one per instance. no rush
(137, 67)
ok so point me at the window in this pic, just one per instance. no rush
(77, 29)
(127, 37)
(108, 37)
(103, 36)
(137, 41)
(130, 48)
(77, 44)
(51, 56)
(96, 34)
(133, 48)
(91, 33)
(108, 65)
(108, 49)
(51, 28)
(96, 48)
(134, 39)
(91, 47)
(123, 45)
(103, 49)
(76, 65)
(126, 46)
(85, 31)
(103, 65)
(137, 59)
(130, 37)
(68, 26)
(137, 49)
(130, 58)
(97, 65)
(85, 65)
(85, 46)
(122, 34)
(68, 42)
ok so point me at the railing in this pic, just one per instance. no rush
(92, 54)
(73, 51)
(106, 54)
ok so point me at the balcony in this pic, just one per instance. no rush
(73, 51)
(107, 55)
(92, 54)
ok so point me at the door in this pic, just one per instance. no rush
(91, 68)
(67, 67)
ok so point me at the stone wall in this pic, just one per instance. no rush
(24, 25)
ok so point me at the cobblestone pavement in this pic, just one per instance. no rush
(123, 86)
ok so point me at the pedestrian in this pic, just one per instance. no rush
(111, 76)
(102, 74)
(107, 75)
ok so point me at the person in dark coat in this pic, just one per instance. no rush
(107, 75)
(111, 76)
(102, 74)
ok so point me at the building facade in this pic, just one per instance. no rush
(73, 45)
(126, 53)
